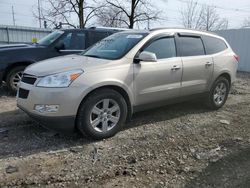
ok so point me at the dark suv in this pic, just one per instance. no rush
(14, 58)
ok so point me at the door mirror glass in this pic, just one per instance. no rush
(60, 46)
(147, 56)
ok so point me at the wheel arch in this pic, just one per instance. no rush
(13, 65)
(118, 89)
(227, 76)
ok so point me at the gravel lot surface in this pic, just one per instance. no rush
(181, 145)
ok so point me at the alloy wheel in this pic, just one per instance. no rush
(105, 115)
(15, 79)
(220, 93)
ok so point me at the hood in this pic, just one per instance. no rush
(3, 46)
(8, 47)
(64, 63)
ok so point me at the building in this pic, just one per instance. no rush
(239, 39)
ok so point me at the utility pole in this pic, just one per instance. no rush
(148, 23)
(13, 16)
(39, 13)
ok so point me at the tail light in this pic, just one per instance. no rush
(237, 57)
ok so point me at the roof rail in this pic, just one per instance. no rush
(110, 28)
(188, 29)
(160, 28)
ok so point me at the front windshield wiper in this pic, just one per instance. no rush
(96, 56)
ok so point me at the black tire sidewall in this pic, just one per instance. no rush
(83, 116)
(211, 94)
(10, 74)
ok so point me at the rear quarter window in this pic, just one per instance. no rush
(191, 46)
(213, 45)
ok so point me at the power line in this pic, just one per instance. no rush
(216, 6)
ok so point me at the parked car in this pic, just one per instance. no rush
(14, 58)
(96, 91)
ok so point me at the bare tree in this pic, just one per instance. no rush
(210, 19)
(64, 12)
(203, 17)
(128, 13)
(110, 17)
(246, 22)
(191, 16)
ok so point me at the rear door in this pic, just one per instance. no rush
(197, 66)
(161, 80)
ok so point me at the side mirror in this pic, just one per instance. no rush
(147, 56)
(60, 46)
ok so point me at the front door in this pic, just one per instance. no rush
(74, 42)
(161, 80)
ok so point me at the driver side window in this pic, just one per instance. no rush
(162, 47)
(74, 41)
(67, 41)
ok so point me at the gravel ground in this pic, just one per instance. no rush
(181, 145)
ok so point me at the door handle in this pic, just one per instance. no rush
(175, 68)
(209, 63)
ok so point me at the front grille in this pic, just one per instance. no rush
(28, 79)
(23, 93)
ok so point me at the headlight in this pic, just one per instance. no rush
(63, 79)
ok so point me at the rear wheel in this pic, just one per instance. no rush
(14, 77)
(218, 93)
(102, 114)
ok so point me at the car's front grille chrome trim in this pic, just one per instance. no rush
(29, 79)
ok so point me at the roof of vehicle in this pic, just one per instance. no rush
(181, 31)
(97, 29)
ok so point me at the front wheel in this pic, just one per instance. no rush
(218, 93)
(102, 114)
(14, 77)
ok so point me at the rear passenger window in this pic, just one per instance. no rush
(163, 48)
(213, 45)
(191, 46)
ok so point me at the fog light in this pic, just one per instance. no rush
(46, 108)
(40, 108)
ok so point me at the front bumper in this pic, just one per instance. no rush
(64, 124)
(68, 100)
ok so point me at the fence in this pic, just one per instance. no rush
(239, 40)
(17, 34)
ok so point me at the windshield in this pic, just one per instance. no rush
(49, 39)
(114, 46)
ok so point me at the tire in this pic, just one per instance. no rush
(220, 87)
(13, 76)
(97, 114)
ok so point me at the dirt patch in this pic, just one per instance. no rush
(181, 145)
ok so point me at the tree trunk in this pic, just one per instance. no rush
(81, 14)
(132, 14)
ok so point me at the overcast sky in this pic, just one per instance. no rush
(234, 11)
